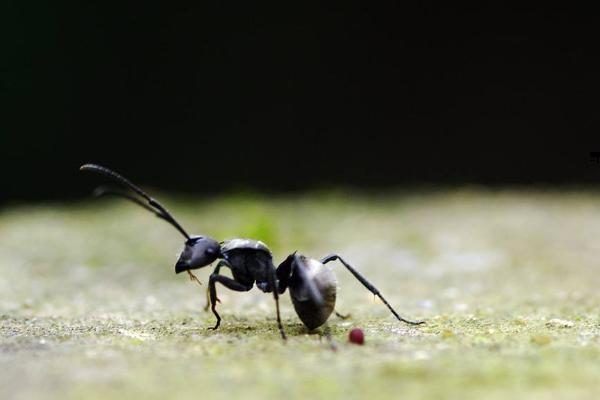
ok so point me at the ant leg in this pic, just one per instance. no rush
(309, 284)
(228, 283)
(216, 271)
(273, 284)
(207, 299)
(290, 267)
(368, 285)
(342, 316)
(284, 272)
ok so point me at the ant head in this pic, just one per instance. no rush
(199, 251)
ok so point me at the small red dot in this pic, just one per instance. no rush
(356, 336)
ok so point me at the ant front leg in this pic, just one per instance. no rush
(225, 281)
(368, 285)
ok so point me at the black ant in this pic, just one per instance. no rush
(312, 286)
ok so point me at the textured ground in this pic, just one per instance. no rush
(507, 281)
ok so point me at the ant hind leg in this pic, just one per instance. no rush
(369, 286)
(342, 316)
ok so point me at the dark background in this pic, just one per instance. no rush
(217, 95)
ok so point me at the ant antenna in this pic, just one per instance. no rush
(111, 191)
(155, 205)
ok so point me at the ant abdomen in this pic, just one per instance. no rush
(310, 275)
